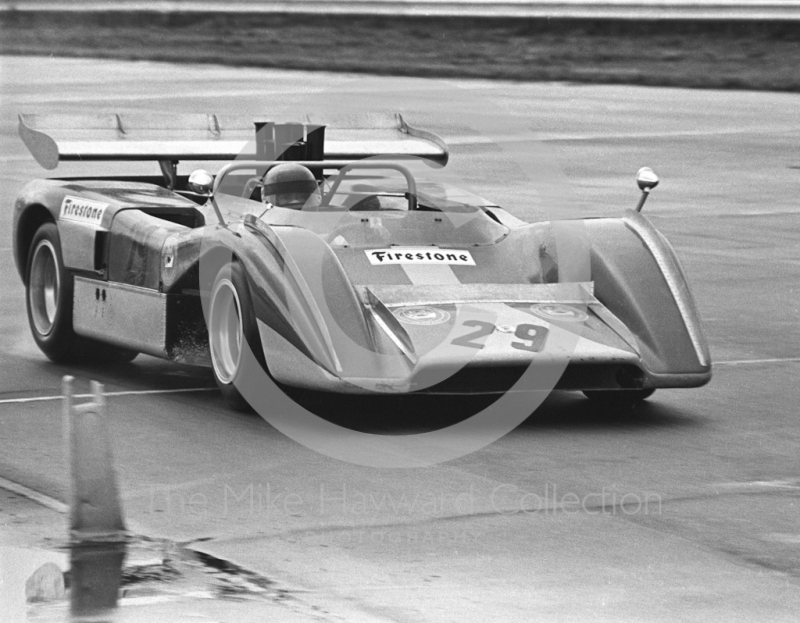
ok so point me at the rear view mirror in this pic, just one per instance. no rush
(201, 181)
(646, 178)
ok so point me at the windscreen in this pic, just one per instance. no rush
(369, 208)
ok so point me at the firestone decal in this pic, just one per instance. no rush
(422, 315)
(82, 210)
(425, 255)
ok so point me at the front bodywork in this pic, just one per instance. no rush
(632, 324)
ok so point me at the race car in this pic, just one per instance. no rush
(383, 281)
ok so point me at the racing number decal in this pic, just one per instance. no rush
(532, 337)
(484, 329)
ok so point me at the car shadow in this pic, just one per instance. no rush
(571, 410)
(400, 415)
(405, 415)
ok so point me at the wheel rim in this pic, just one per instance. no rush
(226, 331)
(45, 284)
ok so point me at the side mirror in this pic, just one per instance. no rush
(201, 182)
(646, 179)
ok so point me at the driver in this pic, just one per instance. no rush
(290, 185)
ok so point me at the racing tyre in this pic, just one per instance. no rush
(619, 397)
(49, 296)
(49, 304)
(231, 329)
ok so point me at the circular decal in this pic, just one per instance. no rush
(421, 315)
(556, 312)
(506, 328)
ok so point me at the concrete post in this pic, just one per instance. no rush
(95, 509)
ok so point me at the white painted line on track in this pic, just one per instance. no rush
(110, 97)
(39, 498)
(532, 137)
(789, 539)
(742, 362)
(143, 392)
(781, 484)
(762, 484)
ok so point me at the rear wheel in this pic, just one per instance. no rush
(49, 305)
(619, 397)
(233, 334)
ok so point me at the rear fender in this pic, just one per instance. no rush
(39, 202)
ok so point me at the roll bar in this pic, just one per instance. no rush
(412, 184)
(344, 166)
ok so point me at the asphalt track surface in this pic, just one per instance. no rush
(709, 530)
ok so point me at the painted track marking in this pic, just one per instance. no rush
(35, 496)
(142, 392)
(761, 484)
(740, 362)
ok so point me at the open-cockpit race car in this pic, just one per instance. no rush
(380, 282)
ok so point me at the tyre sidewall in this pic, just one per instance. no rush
(234, 272)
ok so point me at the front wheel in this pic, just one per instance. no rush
(233, 334)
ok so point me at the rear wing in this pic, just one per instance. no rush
(169, 139)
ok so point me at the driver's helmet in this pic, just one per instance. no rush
(289, 185)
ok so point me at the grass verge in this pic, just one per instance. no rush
(698, 54)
